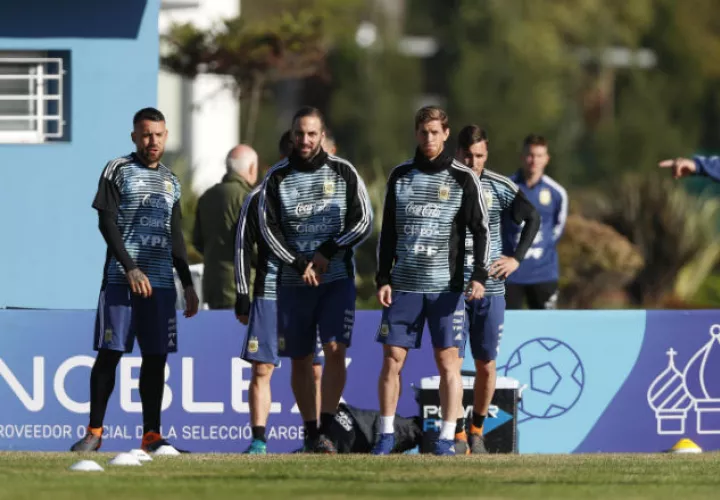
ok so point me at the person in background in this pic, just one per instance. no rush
(536, 279)
(708, 166)
(216, 220)
(486, 317)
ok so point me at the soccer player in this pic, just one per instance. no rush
(698, 165)
(260, 348)
(430, 202)
(314, 209)
(285, 147)
(536, 279)
(138, 204)
(487, 316)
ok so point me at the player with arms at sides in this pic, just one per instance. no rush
(697, 165)
(138, 204)
(536, 279)
(314, 209)
(487, 316)
(260, 347)
(430, 203)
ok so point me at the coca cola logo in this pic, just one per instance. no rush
(430, 210)
(307, 209)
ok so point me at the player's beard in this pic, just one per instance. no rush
(311, 154)
(151, 157)
(431, 150)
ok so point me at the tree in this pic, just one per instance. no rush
(675, 232)
(595, 260)
(290, 45)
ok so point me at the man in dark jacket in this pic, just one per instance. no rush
(215, 223)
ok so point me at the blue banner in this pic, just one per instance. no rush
(610, 381)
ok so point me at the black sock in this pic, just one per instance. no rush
(258, 432)
(102, 383)
(460, 425)
(478, 420)
(152, 385)
(311, 429)
(326, 420)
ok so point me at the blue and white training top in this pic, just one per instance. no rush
(249, 242)
(541, 261)
(499, 194)
(429, 206)
(142, 200)
(313, 205)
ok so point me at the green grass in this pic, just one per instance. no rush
(45, 475)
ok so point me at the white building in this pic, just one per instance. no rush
(203, 115)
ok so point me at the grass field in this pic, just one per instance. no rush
(45, 475)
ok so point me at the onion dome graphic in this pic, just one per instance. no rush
(669, 398)
(702, 380)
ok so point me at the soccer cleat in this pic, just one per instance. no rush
(445, 447)
(323, 444)
(152, 441)
(461, 444)
(89, 442)
(257, 447)
(477, 444)
(384, 444)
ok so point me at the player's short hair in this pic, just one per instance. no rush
(285, 145)
(329, 139)
(431, 113)
(534, 140)
(470, 135)
(306, 111)
(151, 114)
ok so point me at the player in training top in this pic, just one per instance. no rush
(537, 277)
(314, 209)
(487, 316)
(430, 202)
(260, 348)
(138, 204)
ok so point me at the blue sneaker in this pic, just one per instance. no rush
(384, 444)
(257, 447)
(445, 447)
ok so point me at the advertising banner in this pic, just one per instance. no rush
(592, 381)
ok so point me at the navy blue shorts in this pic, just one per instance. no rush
(122, 316)
(261, 341)
(486, 319)
(307, 313)
(403, 322)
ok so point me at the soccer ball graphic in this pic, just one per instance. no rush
(553, 373)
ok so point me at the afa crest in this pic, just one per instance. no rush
(384, 329)
(444, 192)
(488, 197)
(328, 187)
(169, 187)
(545, 197)
(253, 345)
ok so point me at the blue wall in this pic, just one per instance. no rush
(51, 253)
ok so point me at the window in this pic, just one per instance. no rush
(32, 97)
